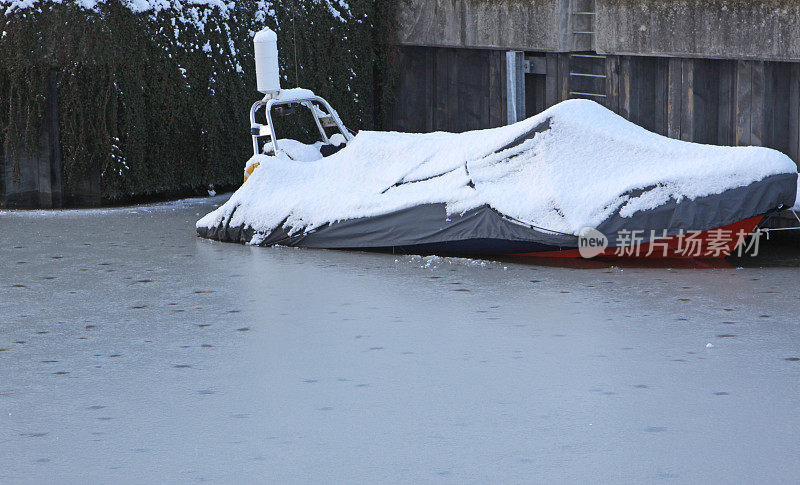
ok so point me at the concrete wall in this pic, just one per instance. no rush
(727, 29)
(499, 24)
(733, 29)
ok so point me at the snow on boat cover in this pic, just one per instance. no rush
(523, 188)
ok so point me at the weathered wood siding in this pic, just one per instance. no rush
(710, 101)
(720, 102)
(442, 89)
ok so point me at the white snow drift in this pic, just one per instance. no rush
(568, 177)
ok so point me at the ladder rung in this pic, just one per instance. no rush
(584, 33)
(583, 74)
(588, 56)
(583, 13)
(576, 93)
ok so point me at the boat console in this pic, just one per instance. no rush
(323, 114)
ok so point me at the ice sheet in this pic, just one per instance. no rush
(132, 351)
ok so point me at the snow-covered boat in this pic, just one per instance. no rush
(574, 180)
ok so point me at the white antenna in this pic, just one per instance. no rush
(266, 53)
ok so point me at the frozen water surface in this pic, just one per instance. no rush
(133, 351)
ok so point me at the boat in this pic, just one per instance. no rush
(576, 180)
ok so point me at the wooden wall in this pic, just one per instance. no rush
(447, 89)
(719, 102)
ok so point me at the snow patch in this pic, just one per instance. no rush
(434, 262)
(295, 94)
(188, 10)
(298, 151)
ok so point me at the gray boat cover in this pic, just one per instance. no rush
(429, 224)
(279, 206)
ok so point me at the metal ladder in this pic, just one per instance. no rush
(587, 69)
(583, 13)
(587, 76)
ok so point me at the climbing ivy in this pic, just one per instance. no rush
(156, 102)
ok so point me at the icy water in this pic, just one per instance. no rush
(132, 351)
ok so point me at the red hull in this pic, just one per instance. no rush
(711, 244)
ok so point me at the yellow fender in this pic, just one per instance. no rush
(249, 171)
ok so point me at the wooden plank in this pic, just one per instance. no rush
(394, 108)
(674, 97)
(455, 114)
(497, 101)
(563, 77)
(743, 94)
(782, 108)
(661, 95)
(393, 111)
(687, 99)
(390, 122)
(635, 94)
(541, 105)
(461, 109)
(551, 83)
(440, 90)
(706, 95)
(419, 103)
(429, 66)
(772, 114)
(503, 114)
(794, 112)
(757, 104)
(473, 88)
(625, 87)
(487, 95)
(643, 91)
(612, 83)
(531, 95)
(397, 114)
(412, 110)
(535, 87)
(484, 93)
(776, 107)
(725, 112)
